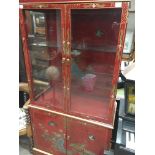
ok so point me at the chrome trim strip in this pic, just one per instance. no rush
(119, 131)
(109, 126)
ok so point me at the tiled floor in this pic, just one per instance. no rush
(24, 148)
(23, 151)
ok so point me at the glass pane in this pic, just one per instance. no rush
(94, 42)
(44, 40)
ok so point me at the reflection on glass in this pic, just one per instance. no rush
(44, 40)
(94, 42)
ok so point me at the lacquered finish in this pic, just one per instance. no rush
(49, 132)
(26, 52)
(68, 1)
(45, 53)
(103, 61)
(88, 46)
(90, 139)
(58, 135)
(93, 52)
(109, 126)
(45, 48)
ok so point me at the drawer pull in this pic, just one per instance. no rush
(51, 123)
(91, 137)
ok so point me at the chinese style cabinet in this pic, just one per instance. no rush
(72, 52)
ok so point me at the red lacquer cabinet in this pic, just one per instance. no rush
(72, 52)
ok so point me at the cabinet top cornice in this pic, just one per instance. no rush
(69, 1)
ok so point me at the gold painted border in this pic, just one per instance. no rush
(38, 150)
(115, 107)
(62, 2)
(109, 126)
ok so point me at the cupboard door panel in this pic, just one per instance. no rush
(85, 139)
(44, 43)
(49, 132)
(93, 49)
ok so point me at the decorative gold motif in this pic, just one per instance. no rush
(115, 107)
(63, 60)
(120, 38)
(124, 17)
(100, 5)
(120, 45)
(74, 117)
(94, 5)
(68, 61)
(119, 52)
(114, 91)
(40, 6)
(71, 2)
(68, 44)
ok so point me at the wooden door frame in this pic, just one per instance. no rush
(119, 49)
(24, 35)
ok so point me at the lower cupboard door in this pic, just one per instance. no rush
(49, 133)
(85, 139)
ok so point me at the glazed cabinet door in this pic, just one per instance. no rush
(86, 139)
(49, 132)
(93, 46)
(43, 35)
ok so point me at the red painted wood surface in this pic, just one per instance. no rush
(111, 59)
(56, 134)
(82, 24)
(57, 1)
(121, 39)
(24, 36)
(84, 138)
(59, 135)
(46, 100)
(51, 37)
(49, 132)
